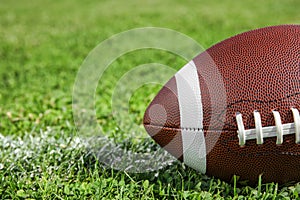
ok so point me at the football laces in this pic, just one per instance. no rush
(260, 132)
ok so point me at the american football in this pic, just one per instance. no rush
(234, 108)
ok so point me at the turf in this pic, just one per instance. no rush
(42, 46)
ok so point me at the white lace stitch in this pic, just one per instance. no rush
(279, 130)
(296, 124)
(241, 129)
(258, 128)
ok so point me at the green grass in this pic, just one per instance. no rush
(43, 44)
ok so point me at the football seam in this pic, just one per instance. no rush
(187, 128)
(261, 101)
(251, 101)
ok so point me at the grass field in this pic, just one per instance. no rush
(42, 46)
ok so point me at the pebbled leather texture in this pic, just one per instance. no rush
(260, 70)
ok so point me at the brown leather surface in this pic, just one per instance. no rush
(167, 98)
(260, 70)
(276, 163)
(166, 132)
(168, 138)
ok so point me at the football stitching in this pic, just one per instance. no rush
(174, 128)
(234, 138)
(186, 128)
(249, 101)
(261, 101)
